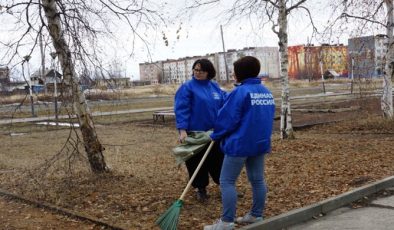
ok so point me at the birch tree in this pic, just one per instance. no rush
(75, 28)
(387, 97)
(275, 12)
(371, 16)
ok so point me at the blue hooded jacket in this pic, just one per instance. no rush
(244, 123)
(197, 103)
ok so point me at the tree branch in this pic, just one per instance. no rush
(288, 10)
(314, 28)
(201, 3)
(362, 18)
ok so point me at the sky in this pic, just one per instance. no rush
(199, 35)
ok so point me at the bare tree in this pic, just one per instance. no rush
(116, 69)
(387, 97)
(275, 12)
(75, 28)
(374, 17)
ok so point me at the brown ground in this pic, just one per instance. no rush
(323, 161)
(17, 215)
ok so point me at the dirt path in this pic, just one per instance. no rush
(18, 215)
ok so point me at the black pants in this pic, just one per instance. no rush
(211, 166)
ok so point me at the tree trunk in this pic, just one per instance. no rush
(387, 97)
(286, 127)
(92, 145)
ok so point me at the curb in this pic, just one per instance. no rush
(306, 213)
(59, 210)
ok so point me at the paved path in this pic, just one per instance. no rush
(45, 118)
(376, 214)
(301, 100)
(379, 215)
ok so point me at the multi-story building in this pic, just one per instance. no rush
(180, 70)
(312, 62)
(170, 72)
(367, 56)
(221, 71)
(268, 57)
(4, 74)
(231, 56)
(152, 72)
(334, 57)
(269, 60)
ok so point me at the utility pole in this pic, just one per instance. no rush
(53, 55)
(43, 77)
(27, 58)
(351, 86)
(224, 54)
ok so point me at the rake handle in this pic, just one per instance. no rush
(196, 171)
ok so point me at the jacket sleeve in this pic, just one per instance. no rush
(182, 107)
(229, 116)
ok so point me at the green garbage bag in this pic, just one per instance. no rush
(194, 143)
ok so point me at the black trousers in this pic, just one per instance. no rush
(211, 166)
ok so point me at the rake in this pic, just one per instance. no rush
(169, 219)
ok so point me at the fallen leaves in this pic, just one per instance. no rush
(323, 161)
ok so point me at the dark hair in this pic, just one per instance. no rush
(207, 66)
(246, 67)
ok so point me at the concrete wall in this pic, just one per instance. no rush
(367, 56)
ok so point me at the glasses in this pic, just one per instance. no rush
(199, 70)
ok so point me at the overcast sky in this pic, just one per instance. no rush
(200, 34)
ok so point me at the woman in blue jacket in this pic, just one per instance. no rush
(244, 127)
(197, 103)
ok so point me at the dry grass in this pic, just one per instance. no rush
(133, 92)
(11, 99)
(322, 162)
(98, 94)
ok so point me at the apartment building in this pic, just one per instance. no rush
(152, 72)
(180, 70)
(367, 56)
(170, 71)
(312, 62)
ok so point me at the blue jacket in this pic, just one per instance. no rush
(244, 123)
(197, 103)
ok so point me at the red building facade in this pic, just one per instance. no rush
(310, 62)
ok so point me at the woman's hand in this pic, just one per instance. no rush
(182, 135)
